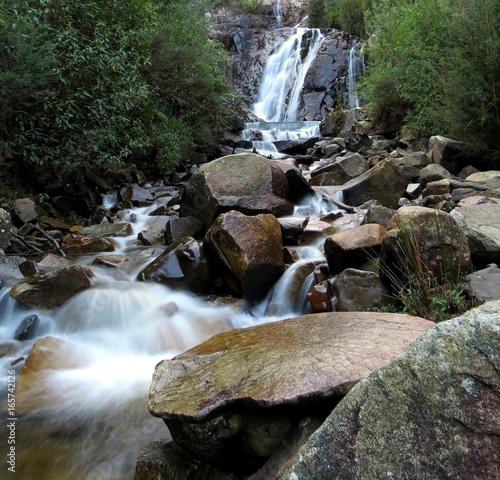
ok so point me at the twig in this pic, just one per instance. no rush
(51, 239)
(341, 205)
(26, 244)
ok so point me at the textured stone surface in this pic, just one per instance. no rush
(353, 247)
(182, 265)
(164, 460)
(484, 285)
(5, 228)
(246, 251)
(280, 363)
(482, 227)
(384, 183)
(24, 211)
(246, 182)
(80, 245)
(430, 414)
(52, 289)
(357, 291)
(178, 228)
(428, 235)
(107, 230)
(217, 398)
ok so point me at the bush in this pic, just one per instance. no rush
(92, 82)
(440, 61)
(347, 15)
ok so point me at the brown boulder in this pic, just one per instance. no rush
(384, 182)
(216, 398)
(428, 237)
(52, 289)
(80, 245)
(246, 182)
(182, 265)
(353, 247)
(247, 251)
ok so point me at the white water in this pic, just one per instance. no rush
(283, 77)
(356, 71)
(279, 13)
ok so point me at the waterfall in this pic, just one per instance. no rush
(356, 70)
(284, 74)
(279, 13)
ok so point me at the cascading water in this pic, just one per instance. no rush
(356, 71)
(284, 74)
(280, 91)
(279, 13)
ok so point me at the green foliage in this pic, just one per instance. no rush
(316, 14)
(347, 15)
(251, 7)
(91, 82)
(436, 65)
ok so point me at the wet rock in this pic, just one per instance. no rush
(178, 228)
(165, 460)
(482, 227)
(340, 171)
(48, 354)
(319, 297)
(9, 267)
(291, 229)
(52, 289)
(247, 251)
(484, 285)
(28, 268)
(81, 245)
(384, 182)
(217, 398)
(107, 230)
(431, 413)
(353, 247)
(298, 185)
(114, 261)
(28, 328)
(5, 228)
(10, 348)
(24, 211)
(182, 265)
(357, 291)
(136, 195)
(431, 236)
(246, 182)
(52, 262)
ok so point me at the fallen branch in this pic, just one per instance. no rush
(50, 239)
(341, 205)
(23, 242)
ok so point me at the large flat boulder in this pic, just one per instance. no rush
(431, 413)
(219, 399)
(246, 182)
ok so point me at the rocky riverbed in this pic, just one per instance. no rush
(244, 403)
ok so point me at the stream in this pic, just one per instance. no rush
(89, 420)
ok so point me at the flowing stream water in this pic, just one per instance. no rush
(85, 415)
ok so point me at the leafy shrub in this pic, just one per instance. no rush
(91, 82)
(440, 60)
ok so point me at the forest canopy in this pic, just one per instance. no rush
(91, 82)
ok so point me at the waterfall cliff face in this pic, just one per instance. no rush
(283, 77)
(251, 47)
